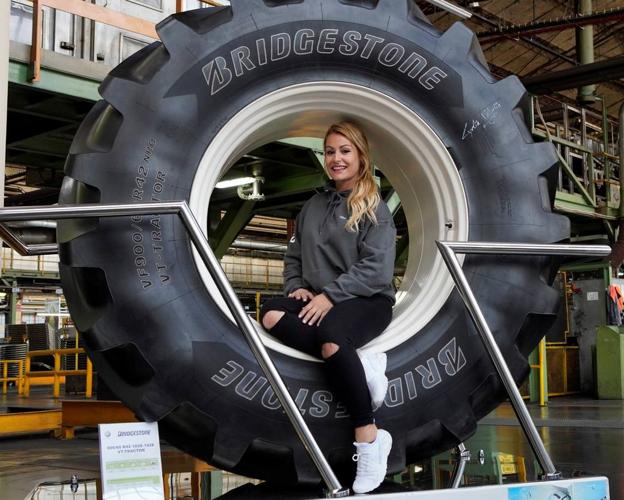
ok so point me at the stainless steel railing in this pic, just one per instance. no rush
(180, 208)
(448, 251)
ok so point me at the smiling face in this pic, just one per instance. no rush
(342, 161)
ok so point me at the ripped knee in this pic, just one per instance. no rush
(270, 319)
(328, 349)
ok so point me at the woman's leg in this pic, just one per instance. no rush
(346, 327)
(280, 317)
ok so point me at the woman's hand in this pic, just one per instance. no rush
(316, 310)
(302, 294)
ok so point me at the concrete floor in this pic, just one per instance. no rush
(584, 437)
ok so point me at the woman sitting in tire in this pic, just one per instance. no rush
(338, 273)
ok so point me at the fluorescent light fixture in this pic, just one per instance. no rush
(230, 183)
(452, 8)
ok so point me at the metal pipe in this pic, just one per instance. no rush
(335, 489)
(454, 267)
(562, 23)
(5, 27)
(621, 153)
(463, 457)
(585, 51)
(585, 74)
(21, 248)
(259, 245)
(452, 8)
(47, 224)
(259, 351)
(88, 210)
(488, 247)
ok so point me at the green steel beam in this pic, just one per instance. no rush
(65, 131)
(610, 230)
(577, 183)
(19, 273)
(585, 52)
(43, 146)
(559, 140)
(534, 376)
(13, 304)
(55, 81)
(394, 203)
(402, 250)
(314, 144)
(583, 267)
(575, 204)
(235, 219)
(278, 188)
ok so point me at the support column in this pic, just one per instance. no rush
(585, 51)
(5, 19)
(12, 319)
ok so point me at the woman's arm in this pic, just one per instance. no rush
(292, 262)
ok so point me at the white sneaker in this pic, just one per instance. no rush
(372, 462)
(375, 370)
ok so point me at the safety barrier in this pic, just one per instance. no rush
(448, 250)
(19, 379)
(57, 373)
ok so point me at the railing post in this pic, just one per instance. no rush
(27, 376)
(20, 382)
(5, 373)
(57, 378)
(448, 251)
(89, 381)
(543, 396)
(37, 41)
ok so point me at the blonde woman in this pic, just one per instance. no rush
(338, 273)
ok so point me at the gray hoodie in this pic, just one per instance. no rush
(323, 256)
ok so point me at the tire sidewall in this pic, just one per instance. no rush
(201, 356)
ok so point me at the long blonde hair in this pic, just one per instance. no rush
(364, 197)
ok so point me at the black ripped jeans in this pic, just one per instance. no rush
(349, 324)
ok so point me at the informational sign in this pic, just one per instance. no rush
(130, 461)
(592, 296)
(595, 488)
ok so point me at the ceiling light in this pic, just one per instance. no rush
(239, 181)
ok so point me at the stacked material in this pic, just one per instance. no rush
(17, 333)
(38, 337)
(13, 352)
(68, 362)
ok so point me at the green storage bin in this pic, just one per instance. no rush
(610, 362)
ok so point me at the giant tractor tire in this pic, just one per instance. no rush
(451, 139)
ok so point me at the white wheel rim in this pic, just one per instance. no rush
(409, 153)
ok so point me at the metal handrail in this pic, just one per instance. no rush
(448, 250)
(57, 372)
(19, 380)
(180, 208)
(15, 242)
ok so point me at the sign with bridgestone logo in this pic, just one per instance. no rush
(130, 461)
